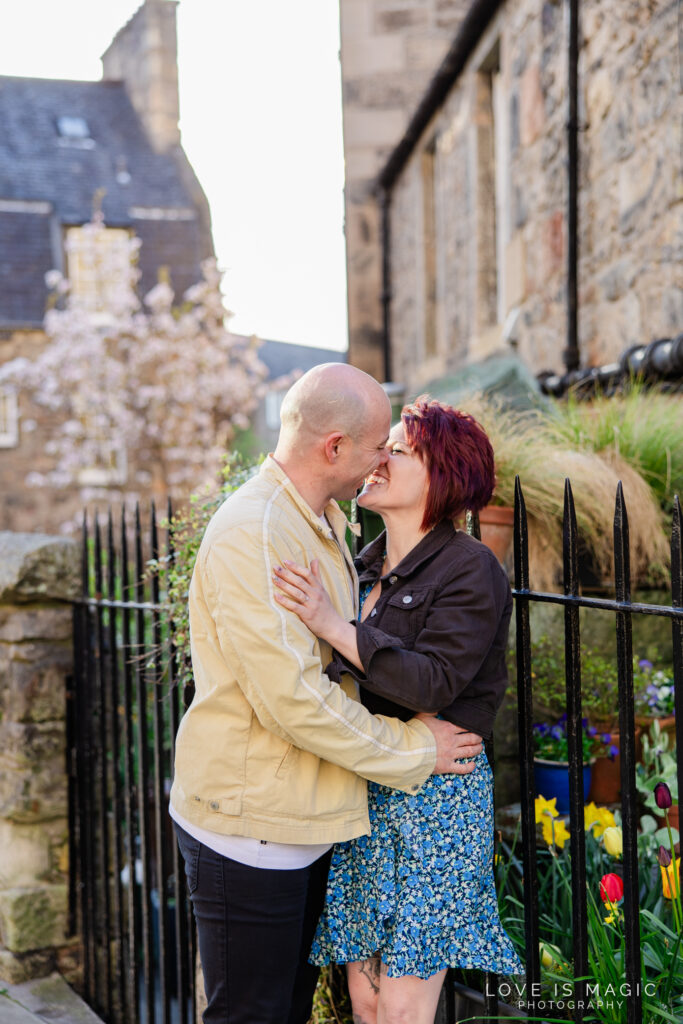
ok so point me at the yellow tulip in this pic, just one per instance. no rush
(613, 840)
(668, 880)
(550, 955)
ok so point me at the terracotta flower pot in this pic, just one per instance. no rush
(667, 724)
(606, 778)
(496, 523)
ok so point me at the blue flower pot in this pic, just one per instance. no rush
(552, 780)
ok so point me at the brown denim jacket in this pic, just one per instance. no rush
(436, 638)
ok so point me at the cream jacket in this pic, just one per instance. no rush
(270, 747)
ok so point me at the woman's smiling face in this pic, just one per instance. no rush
(401, 483)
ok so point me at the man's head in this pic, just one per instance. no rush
(335, 423)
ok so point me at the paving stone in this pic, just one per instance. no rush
(47, 999)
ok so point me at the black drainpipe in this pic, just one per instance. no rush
(571, 356)
(385, 214)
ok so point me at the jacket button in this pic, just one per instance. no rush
(214, 805)
(407, 599)
(196, 798)
(392, 579)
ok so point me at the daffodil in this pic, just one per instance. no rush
(597, 819)
(614, 914)
(555, 833)
(544, 808)
(613, 841)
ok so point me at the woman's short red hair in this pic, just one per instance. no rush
(458, 456)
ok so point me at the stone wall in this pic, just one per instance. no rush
(389, 51)
(631, 209)
(22, 507)
(38, 574)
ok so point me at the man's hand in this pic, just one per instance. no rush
(452, 743)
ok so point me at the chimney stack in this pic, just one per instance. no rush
(144, 56)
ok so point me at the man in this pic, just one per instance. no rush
(272, 756)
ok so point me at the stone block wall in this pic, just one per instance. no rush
(389, 52)
(23, 507)
(38, 574)
(630, 202)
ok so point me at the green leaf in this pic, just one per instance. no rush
(662, 836)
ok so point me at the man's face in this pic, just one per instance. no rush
(359, 458)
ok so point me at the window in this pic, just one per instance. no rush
(492, 192)
(73, 127)
(273, 406)
(429, 242)
(109, 465)
(98, 264)
(73, 131)
(9, 419)
(501, 149)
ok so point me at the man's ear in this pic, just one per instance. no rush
(333, 444)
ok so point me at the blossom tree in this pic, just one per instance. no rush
(146, 395)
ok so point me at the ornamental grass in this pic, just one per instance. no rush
(643, 427)
(531, 445)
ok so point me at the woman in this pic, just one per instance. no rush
(417, 895)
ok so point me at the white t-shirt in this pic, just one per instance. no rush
(256, 853)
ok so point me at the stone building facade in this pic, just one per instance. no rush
(65, 148)
(477, 225)
(389, 51)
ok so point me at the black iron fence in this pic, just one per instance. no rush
(128, 898)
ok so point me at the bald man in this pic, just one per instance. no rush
(272, 756)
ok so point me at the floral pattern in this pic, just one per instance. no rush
(420, 887)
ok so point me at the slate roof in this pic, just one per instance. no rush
(282, 357)
(38, 165)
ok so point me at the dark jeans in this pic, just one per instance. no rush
(255, 927)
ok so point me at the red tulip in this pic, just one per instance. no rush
(664, 857)
(663, 796)
(611, 888)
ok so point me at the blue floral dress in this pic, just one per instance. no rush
(419, 889)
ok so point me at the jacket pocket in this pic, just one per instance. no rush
(405, 611)
(190, 849)
(289, 759)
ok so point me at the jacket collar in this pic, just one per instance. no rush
(272, 471)
(372, 556)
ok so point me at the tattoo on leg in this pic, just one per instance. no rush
(370, 969)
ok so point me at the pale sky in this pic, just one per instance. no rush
(260, 108)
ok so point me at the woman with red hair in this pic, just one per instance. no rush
(417, 895)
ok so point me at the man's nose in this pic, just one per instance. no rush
(383, 457)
